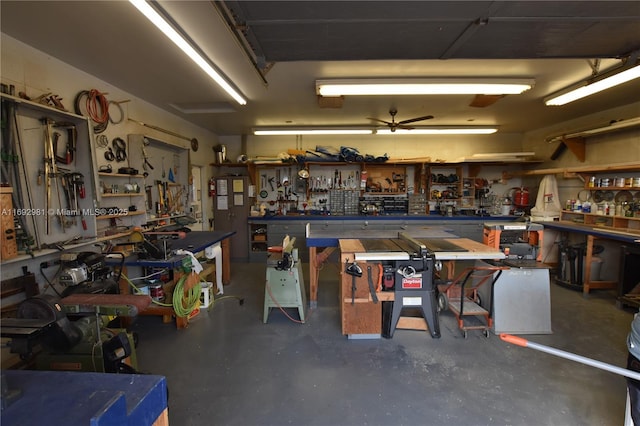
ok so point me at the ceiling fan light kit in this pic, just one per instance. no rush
(587, 88)
(422, 86)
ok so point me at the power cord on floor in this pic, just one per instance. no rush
(268, 287)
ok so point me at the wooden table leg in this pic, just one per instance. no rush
(588, 284)
(313, 278)
(316, 260)
(587, 270)
(226, 260)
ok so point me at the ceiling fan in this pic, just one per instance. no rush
(393, 124)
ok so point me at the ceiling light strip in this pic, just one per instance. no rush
(353, 131)
(440, 131)
(585, 89)
(287, 132)
(431, 86)
(152, 15)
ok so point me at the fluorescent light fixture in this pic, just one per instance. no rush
(585, 89)
(310, 131)
(440, 131)
(152, 15)
(423, 86)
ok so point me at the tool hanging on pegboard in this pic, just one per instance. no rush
(13, 171)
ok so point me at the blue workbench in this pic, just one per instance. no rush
(99, 399)
(591, 233)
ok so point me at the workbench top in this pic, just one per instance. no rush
(373, 218)
(597, 231)
(460, 249)
(72, 398)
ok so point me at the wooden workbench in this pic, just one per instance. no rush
(195, 242)
(592, 233)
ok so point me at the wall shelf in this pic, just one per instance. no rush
(115, 216)
(606, 223)
(105, 174)
(619, 167)
(157, 219)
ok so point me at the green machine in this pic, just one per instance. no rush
(284, 286)
(72, 334)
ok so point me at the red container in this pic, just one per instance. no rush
(521, 197)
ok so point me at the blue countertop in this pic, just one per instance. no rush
(600, 232)
(311, 218)
(82, 398)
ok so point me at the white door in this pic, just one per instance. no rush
(196, 199)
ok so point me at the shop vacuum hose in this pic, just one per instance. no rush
(509, 338)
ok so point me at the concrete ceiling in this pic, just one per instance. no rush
(275, 51)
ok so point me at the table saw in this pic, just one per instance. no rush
(403, 269)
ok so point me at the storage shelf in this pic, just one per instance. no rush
(615, 224)
(44, 107)
(620, 167)
(119, 175)
(157, 219)
(131, 194)
(112, 216)
(47, 251)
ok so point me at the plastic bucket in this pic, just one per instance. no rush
(596, 267)
(206, 294)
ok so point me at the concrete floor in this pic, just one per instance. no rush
(228, 368)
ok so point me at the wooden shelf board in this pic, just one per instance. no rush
(112, 216)
(119, 175)
(627, 167)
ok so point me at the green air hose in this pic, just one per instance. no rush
(182, 305)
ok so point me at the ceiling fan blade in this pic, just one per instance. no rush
(377, 119)
(405, 127)
(481, 101)
(413, 120)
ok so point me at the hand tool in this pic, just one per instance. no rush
(77, 180)
(355, 271)
(372, 289)
(146, 165)
(70, 147)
